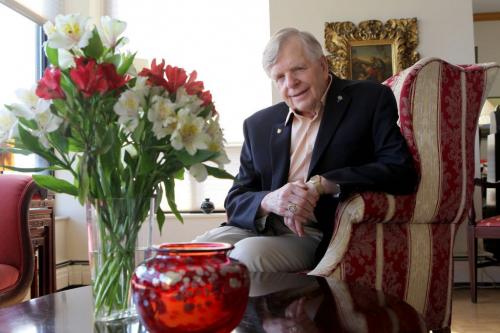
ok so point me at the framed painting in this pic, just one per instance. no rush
(372, 50)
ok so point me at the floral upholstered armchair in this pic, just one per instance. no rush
(16, 252)
(403, 244)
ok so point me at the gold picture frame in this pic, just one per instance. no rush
(372, 49)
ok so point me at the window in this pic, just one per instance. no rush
(19, 64)
(223, 41)
(21, 59)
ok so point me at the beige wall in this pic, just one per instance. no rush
(488, 45)
(445, 26)
(445, 31)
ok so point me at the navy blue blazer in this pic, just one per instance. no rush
(358, 145)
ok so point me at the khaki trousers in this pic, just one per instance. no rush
(277, 250)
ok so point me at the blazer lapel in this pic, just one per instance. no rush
(335, 107)
(280, 153)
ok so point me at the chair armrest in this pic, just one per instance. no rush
(486, 184)
(365, 207)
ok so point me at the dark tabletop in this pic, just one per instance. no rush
(278, 303)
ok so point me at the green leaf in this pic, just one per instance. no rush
(170, 194)
(31, 123)
(146, 163)
(52, 55)
(200, 156)
(205, 112)
(31, 143)
(19, 169)
(218, 173)
(55, 184)
(95, 47)
(59, 141)
(83, 181)
(137, 133)
(15, 150)
(179, 174)
(75, 145)
(130, 160)
(58, 104)
(160, 218)
(125, 64)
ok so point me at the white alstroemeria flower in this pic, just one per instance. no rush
(47, 122)
(50, 29)
(162, 115)
(65, 59)
(221, 159)
(199, 172)
(70, 31)
(36, 108)
(28, 97)
(186, 101)
(141, 88)
(110, 30)
(128, 108)
(216, 143)
(8, 122)
(215, 132)
(189, 133)
(31, 104)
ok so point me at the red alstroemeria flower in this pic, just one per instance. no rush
(176, 77)
(49, 86)
(88, 77)
(113, 79)
(206, 97)
(155, 74)
(192, 86)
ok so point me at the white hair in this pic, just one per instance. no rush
(311, 46)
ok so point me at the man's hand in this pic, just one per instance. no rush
(295, 202)
(295, 320)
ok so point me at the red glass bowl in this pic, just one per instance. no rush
(191, 287)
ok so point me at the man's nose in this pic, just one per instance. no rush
(291, 81)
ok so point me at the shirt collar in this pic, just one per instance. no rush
(323, 100)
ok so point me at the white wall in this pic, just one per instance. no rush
(488, 46)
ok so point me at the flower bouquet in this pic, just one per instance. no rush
(123, 135)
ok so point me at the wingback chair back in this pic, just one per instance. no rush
(16, 253)
(403, 245)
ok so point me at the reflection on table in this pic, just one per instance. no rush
(302, 303)
(278, 302)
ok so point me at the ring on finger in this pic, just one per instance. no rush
(292, 208)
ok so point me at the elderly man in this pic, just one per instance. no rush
(300, 157)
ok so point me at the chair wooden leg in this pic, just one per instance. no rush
(442, 330)
(472, 251)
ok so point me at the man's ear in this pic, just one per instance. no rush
(324, 64)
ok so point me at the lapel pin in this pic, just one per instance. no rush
(339, 98)
(278, 131)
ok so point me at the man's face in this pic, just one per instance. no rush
(300, 80)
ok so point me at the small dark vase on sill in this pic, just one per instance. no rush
(207, 206)
(191, 287)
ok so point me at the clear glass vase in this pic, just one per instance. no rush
(120, 232)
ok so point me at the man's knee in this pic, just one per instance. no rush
(250, 252)
(225, 234)
(275, 254)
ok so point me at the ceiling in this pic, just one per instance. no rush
(485, 6)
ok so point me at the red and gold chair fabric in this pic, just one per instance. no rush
(403, 244)
(16, 253)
